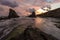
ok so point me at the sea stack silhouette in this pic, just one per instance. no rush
(33, 13)
(12, 14)
(53, 13)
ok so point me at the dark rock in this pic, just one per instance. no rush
(57, 25)
(12, 26)
(33, 13)
(33, 34)
(54, 13)
(12, 14)
(3, 18)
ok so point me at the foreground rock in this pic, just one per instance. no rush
(6, 26)
(30, 29)
(33, 34)
(54, 13)
(41, 29)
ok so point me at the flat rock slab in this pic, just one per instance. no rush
(6, 26)
(46, 25)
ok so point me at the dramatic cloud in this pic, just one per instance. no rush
(49, 0)
(10, 3)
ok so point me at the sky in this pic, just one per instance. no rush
(16, 3)
(10, 3)
(49, 0)
(21, 6)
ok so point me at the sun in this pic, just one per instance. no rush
(41, 11)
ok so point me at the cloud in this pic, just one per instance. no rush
(1, 9)
(49, 0)
(10, 3)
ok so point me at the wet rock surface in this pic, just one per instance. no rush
(6, 26)
(41, 29)
(46, 27)
(33, 34)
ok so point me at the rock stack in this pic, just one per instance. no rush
(33, 13)
(12, 14)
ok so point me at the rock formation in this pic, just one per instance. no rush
(33, 13)
(12, 14)
(53, 13)
(7, 26)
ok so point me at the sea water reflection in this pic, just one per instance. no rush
(47, 26)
